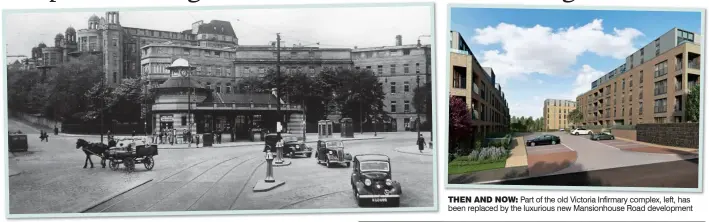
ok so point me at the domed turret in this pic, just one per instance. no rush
(36, 52)
(42, 45)
(58, 40)
(94, 21)
(70, 35)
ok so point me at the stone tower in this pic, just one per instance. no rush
(113, 48)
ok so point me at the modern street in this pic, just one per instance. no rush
(51, 178)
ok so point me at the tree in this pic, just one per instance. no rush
(460, 125)
(529, 123)
(423, 101)
(693, 104)
(253, 84)
(575, 116)
(357, 93)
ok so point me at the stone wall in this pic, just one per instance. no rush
(670, 134)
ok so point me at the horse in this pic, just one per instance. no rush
(98, 149)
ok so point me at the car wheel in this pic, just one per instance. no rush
(553, 142)
(347, 164)
(577, 133)
(531, 144)
(612, 137)
(327, 164)
(308, 155)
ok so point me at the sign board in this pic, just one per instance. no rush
(279, 128)
(166, 118)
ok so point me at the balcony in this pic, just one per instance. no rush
(475, 114)
(608, 115)
(693, 65)
(476, 90)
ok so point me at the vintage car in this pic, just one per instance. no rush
(332, 152)
(371, 180)
(602, 136)
(291, 145)
(544, 140)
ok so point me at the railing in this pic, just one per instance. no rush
(693, 65)
(240, 105)
(475, 114)
(692, 84)
(608, 115)
(678, 87)
(660, 109)
(677, 108)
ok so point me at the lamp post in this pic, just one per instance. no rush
(428, 81)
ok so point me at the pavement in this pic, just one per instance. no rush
(673, 174)
(518, 154)
(427, 151)
(52, 179)
(578, 155)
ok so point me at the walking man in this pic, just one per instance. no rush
(420, 142)
(133, 134)
(56, 130)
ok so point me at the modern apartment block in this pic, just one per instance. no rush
(476, 86)
(556, 112)
(650, 87)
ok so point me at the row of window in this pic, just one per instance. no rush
(188, 52)
(407, 106)
(392, 87)
(393, 52)
(393, 69)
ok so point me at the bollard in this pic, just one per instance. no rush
(279, 152)
(269, 168)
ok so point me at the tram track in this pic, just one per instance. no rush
(157, 182)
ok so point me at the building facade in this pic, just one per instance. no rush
(476, 86)
(650, 87)
(400, 69)
(220, 62)
(556, 113)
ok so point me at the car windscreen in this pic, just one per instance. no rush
(289, 139)
(374, 166)
(333, 144)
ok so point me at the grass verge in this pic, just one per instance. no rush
(465, 166)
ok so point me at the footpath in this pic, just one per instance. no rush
(310, 138)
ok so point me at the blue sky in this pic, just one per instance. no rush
(553, 53)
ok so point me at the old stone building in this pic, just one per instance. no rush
(401, 69)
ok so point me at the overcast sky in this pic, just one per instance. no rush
(331, 27)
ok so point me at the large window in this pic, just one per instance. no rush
(406, 68)
(380, 69)
(661, 87)
(393, 87)
(684, 36)
(406, 106)
(392, 69)
(406, 86)
(459, 77)
(661, 69)
(661, 105)
(393, 106)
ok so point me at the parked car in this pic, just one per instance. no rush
(561, 129)
(602, 136)
(332, 152)
(581, 131)
(291, 145)
(372, 182)
(544, 140)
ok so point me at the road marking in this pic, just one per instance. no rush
(545, 151)
(606, 145)
(568, 147)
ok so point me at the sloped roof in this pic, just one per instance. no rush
(257, 98)
(179, 82)
(217, 27)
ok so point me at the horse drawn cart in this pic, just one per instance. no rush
(130, 151)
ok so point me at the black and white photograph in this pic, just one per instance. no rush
(320, 108)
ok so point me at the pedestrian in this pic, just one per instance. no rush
(420, 142)
(56, 130)
(219, 136)
(196, 139)
(41, 135)
(109, 135)
(133, 134)
(233, 134)
(46, 137)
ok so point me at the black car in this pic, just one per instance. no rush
(291, 145)
(544, 140)
(371, 180)
(602, 136)
(332, 152)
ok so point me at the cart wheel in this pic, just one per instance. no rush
(348, 164)
(129, 163)
(149, 162)
(113, 165)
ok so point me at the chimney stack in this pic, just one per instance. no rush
(398, 40)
